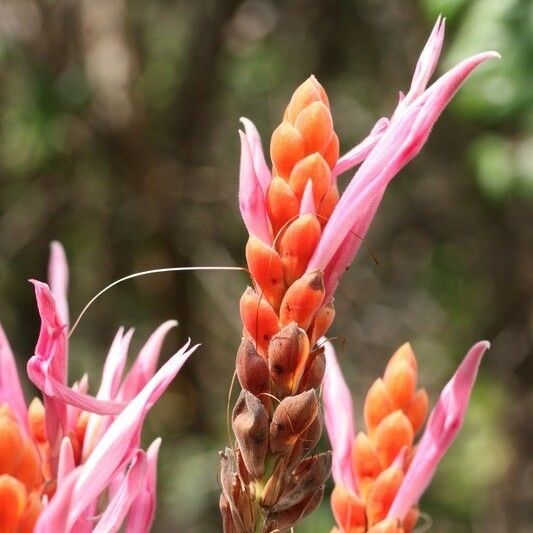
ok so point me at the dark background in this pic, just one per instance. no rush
(118, 137)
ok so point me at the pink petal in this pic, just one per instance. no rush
(344, 256)
(53, 390)
(359, 152)
(58, 279)
(119, 505)
(427, 62)
(403, 139)
(307, 207)
(114, 365)
(54, 516)
(145, 365)
(111, 376)
(66, 460)
(142, 510)
(10, 388)
(252, 197)
(339, 420)
(121, 440)
(442, 427)
(264, 176)
(51, 352)
(73, 412)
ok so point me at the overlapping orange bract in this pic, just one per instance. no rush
(277, 417)
(304, 149)
(22, 478)
(24, 469)
(394, 412)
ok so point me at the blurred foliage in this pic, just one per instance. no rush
(118, 137)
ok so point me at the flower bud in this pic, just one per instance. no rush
(11, 441)
(309, 477)
(12, 502)
(250, 425)
(366, 462)
(302, 300)
(328, 204)
(307, 93)
(331, 153)
(36, 421)
(314, 373)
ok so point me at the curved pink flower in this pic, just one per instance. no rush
(58, 459)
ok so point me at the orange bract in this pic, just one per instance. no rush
(394, 411)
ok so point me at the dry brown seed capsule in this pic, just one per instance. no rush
(314, 373)
(291, 420)
(252, 370)
(289, 518)
(250, 425)
(305, 444)
(231, 488)
(287, 357)
(308, 478)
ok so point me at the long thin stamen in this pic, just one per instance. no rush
(146, 273)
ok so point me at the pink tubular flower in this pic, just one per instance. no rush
(390, 472)
(59, 457)
(391, 144)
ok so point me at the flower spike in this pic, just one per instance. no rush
(339, 420)
(389, 481)
(302, 237)
(443, 425)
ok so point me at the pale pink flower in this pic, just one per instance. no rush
(88, 445)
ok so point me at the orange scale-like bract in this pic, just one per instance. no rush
(297, 245)
(287, 147)
(349, 510)
(314, 168)
(282, 205)
(284, 317)
(21, 476)
(383, 454)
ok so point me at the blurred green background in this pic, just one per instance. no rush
(118, 137)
